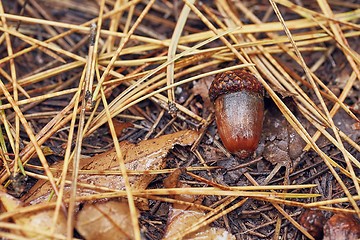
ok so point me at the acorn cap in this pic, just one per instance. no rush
(234, 81)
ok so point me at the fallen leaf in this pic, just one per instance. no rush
(8, 202)
(107, 220)
(182, 216)
(213, 233)
(179, 220)
(282, 143)
(120, 126)
(110, 219)
(201, 88)
(41, 220)
(145, 156)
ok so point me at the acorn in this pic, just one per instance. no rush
(313, 221)
(238, 99)
(342, 226)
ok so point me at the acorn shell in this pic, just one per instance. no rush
(239, 110)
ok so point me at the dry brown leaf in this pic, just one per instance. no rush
(41, 220)
(145, 156)
(179, 220)
(120, 126)
(107, 220)
(8, 202)
(213, 233)
(201, 88)
(182, 217)
(282, 144)
(104, 220)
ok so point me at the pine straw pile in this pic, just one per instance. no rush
(78, 77)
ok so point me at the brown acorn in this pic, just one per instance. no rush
(313, 221)
(342, 226)
(238, 99)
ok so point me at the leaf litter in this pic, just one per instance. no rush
(110, 216)
(300, 50)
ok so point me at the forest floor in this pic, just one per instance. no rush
(89, 89)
